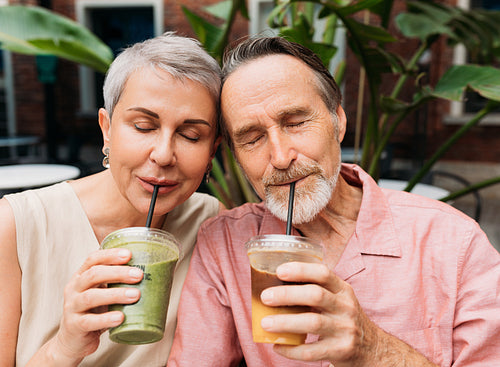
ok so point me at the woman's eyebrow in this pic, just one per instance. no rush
(144, 110)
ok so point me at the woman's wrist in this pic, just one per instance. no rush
(52, 354)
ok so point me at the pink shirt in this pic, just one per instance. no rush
(421, 270)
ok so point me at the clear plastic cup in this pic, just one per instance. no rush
(265, 254)
(156, 253)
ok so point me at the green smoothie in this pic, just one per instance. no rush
(145, 320)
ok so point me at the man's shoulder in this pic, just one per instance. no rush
(419, 204)
(248, 213)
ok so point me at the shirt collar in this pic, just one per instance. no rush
(375, 228)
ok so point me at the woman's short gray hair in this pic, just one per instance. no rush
(181, 57)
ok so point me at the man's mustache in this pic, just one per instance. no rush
(293, 173)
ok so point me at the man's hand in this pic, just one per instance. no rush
(347, 337)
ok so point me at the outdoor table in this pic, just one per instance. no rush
(25, 176)
(12, 142)
(15, 141)
(429, 191)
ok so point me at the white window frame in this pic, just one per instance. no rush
(8, 85)
(83, 7)
(258, 25)
(457, 115)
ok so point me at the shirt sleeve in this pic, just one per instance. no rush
(205, 334)
(476, 333)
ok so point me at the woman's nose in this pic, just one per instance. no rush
(163, 152)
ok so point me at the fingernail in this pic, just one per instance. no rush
(267, 295)
(135, 272)
(283, 270)
(115, 317)
(132, 293)
(266, 322)
(124, 253)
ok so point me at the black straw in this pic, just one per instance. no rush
(290, 209)
(152, 206)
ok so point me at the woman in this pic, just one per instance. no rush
(159, 128)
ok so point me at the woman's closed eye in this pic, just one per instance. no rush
(144, 126)
(189, 134)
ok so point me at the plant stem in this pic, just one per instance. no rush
(402, 80)
(472, 188)
(492, 105)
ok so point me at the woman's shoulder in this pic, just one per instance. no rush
(7, 222)
(197, 208)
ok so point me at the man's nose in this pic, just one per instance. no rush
(283, 153)
(163, 152)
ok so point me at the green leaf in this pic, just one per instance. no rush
(220, 10)
(36, 31)
(368, 33)
(277, 15)
(438, 12)
(421, 26)
(208, 34)
(485, 80)
(359, 6)
(383, 9)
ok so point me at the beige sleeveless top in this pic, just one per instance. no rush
(54, 237)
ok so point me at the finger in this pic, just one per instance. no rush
(114, 256)
(316, 351)
(97, 297)
(302, 323)
(312, 295)
(104, 274)
(89, 322)
(310, 273)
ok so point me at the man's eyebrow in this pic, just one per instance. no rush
(240, 133)
(144, 110)
(293, 111)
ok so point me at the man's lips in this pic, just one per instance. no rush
(288, 182)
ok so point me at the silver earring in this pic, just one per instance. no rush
(105, 160)
(207, 174)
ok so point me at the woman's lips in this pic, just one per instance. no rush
(165, 186)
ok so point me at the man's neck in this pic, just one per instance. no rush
(336, 224)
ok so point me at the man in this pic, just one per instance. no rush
(407, 281)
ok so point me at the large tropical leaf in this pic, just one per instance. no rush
(422, 26)
(207, 33)
(485, 80)
(36, 31)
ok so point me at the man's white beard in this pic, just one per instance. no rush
(311, 197)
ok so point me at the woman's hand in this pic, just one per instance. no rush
(86, 297)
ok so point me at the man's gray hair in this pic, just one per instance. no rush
(260, 46)
(181, 57)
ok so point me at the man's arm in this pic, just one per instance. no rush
(205, 334)
(476, 329)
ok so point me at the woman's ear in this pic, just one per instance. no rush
(215, 146)
(105, 124)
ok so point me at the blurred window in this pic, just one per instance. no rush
(118, 24)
